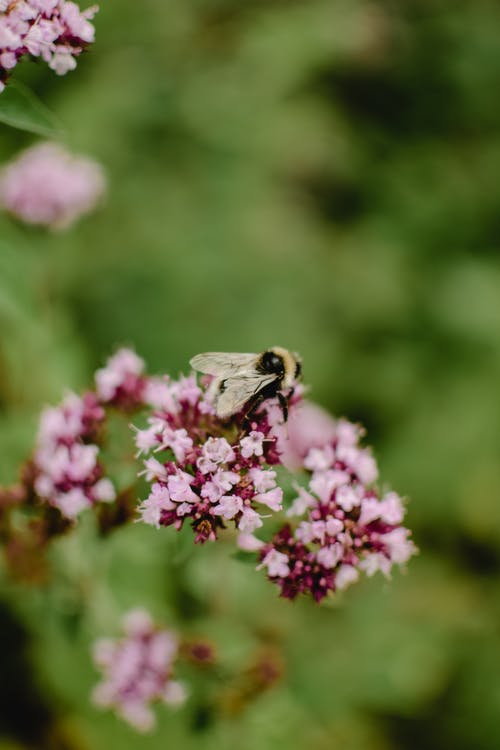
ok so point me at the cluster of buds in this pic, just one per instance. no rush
(67, 471)
(343, 527)
(54, 30)
(47, 186)
(137, 670)
(205, 470)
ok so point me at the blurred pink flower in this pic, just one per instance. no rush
(68, 474)
(46, 185)
(121, 381)
(309, 426)
(57, 31)
(137, 670)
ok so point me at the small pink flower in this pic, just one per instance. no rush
(179, 486)
(301, 503)
(252, 445)
(347, 497)
(400, 547)
(319, 459)
(309, 426)
(323, 483)
(151, 508)
(249, 542)
(330, 556)
(179, 442)
(276, 564)
(218, 450)
(262, 480)
(72, 502)
(158, 394)
(345, 576)
(154, 470)
(249, 521)
(272, 498)
(229, 506)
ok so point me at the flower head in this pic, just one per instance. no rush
(68, 474)
(46, 185)
(122, 382)
(345, 526)
(137, 670)
(205, 470)
(56, 31)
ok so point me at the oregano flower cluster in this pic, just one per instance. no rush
(56, 31)
(217, 475)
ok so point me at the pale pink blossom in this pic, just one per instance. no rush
(262, 479)
(319, 459)
(272, 498)
(249, 542)
(49, 186)
(309, 426)
(249, 521)
(179, 486)
(158, 500)
(276, 564)
(345, 576)
(229, 506)
(252, 445)
(121, 382)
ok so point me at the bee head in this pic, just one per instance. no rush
(272, 361)
(285, 364)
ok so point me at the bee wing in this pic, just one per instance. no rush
(237, 391)
(223, 363)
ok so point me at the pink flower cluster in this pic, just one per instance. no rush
(46, 185)
(122, 383)
(204, 470)
(54, 30)
(211, 473)
(137, 670)
(68, 474)
(345, 526)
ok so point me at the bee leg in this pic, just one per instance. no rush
(284, 405)
(254, 405)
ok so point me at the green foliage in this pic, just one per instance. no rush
(317, 175)
(20, 108)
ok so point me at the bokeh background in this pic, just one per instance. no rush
(319, 174)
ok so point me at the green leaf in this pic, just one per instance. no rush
(245, 557)
(20, 108)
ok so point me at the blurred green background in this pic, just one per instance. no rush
(323, 175)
